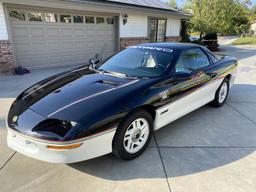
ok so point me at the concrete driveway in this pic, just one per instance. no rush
(207, 150)
(227, 40)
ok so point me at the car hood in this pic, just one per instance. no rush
(54, 95)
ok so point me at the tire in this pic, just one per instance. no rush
(221, 94)
(133, 135)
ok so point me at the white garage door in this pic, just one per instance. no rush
(47, 39)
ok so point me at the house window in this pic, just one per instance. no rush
(51, 17)
(35, 16)
(100, 20)
(89, 20)
(156, 29)
(110, 21)
(18, 15)
(78, 19)
(65, 18)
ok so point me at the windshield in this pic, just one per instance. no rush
(140, 61)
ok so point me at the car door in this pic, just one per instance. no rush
(190, 90)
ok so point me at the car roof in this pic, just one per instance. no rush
(174, 46)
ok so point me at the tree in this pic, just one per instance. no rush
(253, 13)
(172, 3)
(240, 21)
(221, 16)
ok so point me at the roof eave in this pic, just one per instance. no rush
(140, 7)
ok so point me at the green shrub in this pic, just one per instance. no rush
(245, 41)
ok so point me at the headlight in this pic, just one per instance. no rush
(54, 126)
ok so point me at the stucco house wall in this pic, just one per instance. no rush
(136, 30)
(253, 27)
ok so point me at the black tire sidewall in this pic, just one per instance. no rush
(118, 147)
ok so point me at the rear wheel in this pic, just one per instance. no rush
(133, 135)
(221, 94)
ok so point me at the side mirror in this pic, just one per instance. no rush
(94, 61)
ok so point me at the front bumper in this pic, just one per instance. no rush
(92, 147)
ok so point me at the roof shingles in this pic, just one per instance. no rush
(153, 4)
(146, 3)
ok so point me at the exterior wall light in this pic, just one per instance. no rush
(125, 19)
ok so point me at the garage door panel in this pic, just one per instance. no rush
(53, 46)
(99, 33)
(108, 33)
(20, 32)
(79, 33)
(38, 46)
(67, 45)
(22, 46)
(66, 32)
(37, 32)
(80, 45)
(69, 60)
(92, 45)
(52, 32)
(91, 32)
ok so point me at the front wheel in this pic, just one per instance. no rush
(133, 135)
(221, 94)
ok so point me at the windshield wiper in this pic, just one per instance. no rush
(117, 74)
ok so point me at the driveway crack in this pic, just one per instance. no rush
(164, 168)
(7, 161)
(234, 109)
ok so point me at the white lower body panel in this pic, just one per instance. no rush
(91, 148)
(187, 104)
(233, 78)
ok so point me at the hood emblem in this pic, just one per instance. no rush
(15, 119)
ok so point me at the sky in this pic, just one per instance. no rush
(180, 2)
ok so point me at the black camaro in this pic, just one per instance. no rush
(114, 106)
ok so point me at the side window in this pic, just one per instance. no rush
(191, 60)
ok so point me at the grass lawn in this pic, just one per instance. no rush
(245, 41)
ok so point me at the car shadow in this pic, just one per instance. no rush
(205, 139)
